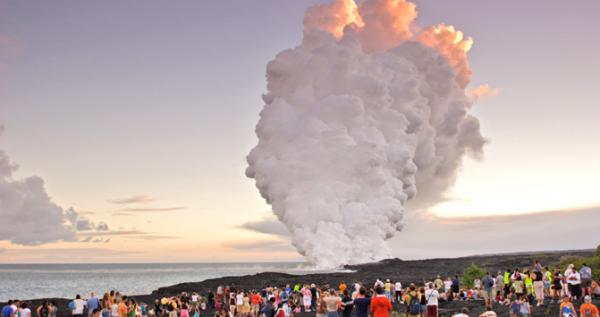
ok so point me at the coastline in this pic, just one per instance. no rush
(413, 271)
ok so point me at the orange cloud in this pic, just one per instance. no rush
(388, 23)
(378, 24)
(452, 44)
(333, 18)
(482, 92)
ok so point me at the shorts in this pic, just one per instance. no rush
(488, 294)
(575, 290)
(586, 282)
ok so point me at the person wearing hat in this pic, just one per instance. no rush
(588, 309)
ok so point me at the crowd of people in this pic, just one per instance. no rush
(517, 289)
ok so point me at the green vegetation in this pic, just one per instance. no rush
(472, 273)
(592, 261)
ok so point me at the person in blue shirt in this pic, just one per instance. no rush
(92, 303)
(7, 311)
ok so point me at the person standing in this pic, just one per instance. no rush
(7, 310)
(24, 311)
(347, 304)
(455, 286)
(432, 295)
(332, 302)
(78, 306)
(269, 310)
(398, 292)
(362, 303)
(574, 281)
(588, 309)
(92, 303)
(488, 289)
(586, 279)
(380, 304)
(539, 281)
(122, 309)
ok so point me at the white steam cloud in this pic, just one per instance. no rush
(353, 128)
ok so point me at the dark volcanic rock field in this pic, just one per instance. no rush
(394, 269)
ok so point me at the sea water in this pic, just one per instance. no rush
(31, 281)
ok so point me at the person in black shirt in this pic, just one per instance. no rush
(347, 304)
(362, 303)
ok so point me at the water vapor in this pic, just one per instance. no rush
(365, 115)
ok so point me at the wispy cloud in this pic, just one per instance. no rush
(274, 245)
(98, 237)
(112, 233)
(151, 209)
(136, 199)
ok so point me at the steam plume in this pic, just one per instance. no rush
(358, 118)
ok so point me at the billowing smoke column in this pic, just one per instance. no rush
(358, 119)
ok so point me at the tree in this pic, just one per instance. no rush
(472, 273)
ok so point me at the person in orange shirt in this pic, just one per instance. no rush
(588, 309)
(567, 308)
(256, 300)
(122, 308)
(343, 287)
(380, 304)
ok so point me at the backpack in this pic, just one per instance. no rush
(414, 306)
(72, 305)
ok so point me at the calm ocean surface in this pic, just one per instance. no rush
(30, 281)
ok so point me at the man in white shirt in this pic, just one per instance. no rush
(574, 281)
(431, 294)
(398, 292)
(79, 306)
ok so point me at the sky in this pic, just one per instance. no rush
(139, 115)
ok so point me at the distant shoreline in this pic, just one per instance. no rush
(410, 271)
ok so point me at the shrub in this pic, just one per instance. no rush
(593, 262)
(470, 274)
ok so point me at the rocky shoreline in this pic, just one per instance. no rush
(395, 269)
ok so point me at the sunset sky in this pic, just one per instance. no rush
(139, 114)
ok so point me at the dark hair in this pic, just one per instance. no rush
(23, 305)
(96, 310)
(379, 290)
(362, 291)
(77, 296)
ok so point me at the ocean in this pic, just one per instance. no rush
(31, 281)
